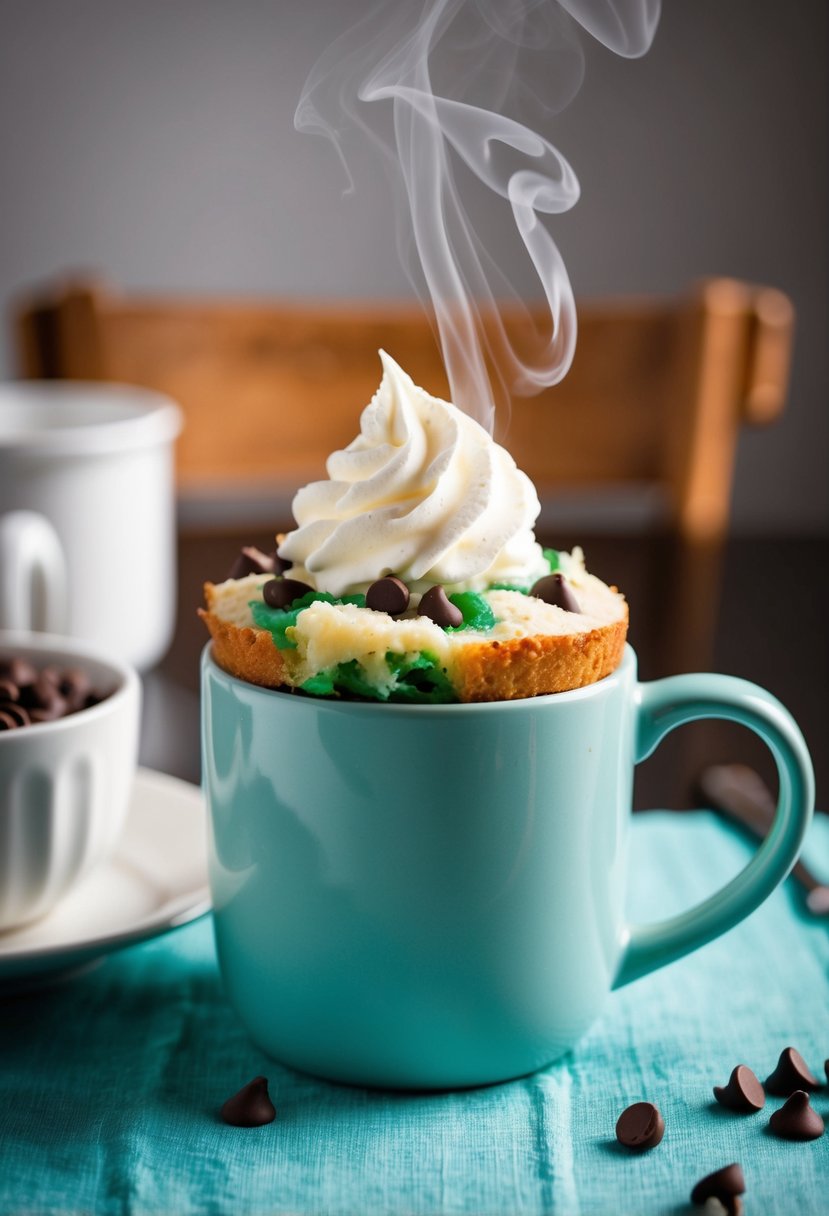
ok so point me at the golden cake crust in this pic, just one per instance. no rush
(535, 666)
(247, 653)
(483, 671)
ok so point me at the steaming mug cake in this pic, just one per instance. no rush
(414, 575)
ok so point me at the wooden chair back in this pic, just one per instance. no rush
(656, 396)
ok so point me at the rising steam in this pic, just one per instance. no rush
(451, 82)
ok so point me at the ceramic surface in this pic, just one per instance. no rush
(433, 896)
(87, 511)
(155, 881)
(64, 785)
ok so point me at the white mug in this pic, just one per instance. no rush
(65, 784)
(87, 514)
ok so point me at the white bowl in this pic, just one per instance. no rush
(64, 785)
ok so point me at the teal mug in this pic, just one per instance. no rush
(432, 896)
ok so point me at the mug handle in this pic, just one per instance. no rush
(660, 707)
(32, 575)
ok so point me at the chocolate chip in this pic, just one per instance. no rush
(554, 589)
(281, 592)
(791, 1073)
(797, 1119)
(743, 1093)
(725, 1185)
(9, 691)
(43, 694)
(19, 671)
(11, 710)
(439, 608)
(75, 685)
(251, 560)
(641, 1126)
(56, 708)
(389, 594)
(251, 1107)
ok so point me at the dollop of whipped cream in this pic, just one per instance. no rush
(424, 493)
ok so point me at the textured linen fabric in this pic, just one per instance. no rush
(110, 1084)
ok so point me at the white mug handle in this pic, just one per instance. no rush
(32, 575)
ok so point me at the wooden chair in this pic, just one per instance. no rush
(657, 395)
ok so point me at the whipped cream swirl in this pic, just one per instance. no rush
(423, 492)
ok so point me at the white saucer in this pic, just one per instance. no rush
(156, 881)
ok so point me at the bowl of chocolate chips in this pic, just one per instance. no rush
(69, 719)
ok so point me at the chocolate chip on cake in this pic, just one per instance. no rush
(797, 1119)
(251, 560)
(389, 594)
(281, 592)
(640, 1126)
(743, 1093)
(251, 1106)
(792, 1072)
(554, 589)
(726, 1185)
(439, 608)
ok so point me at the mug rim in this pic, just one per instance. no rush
(157, 419)
(128, 682)
(334, 704)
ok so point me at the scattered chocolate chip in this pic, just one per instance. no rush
(554, 589)
(797, 1119)
(281, 592)
(439, 608)
(743, 1093)
(726, 1185)
(251, 1107)
(19, 715)
(9, 691)
(19, 671)
(791, 1073)
(251, 560)
(389, 594)
(641, 1126)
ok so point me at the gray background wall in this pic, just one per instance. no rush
(153, 141)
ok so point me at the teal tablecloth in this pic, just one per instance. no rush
(110, 1085)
